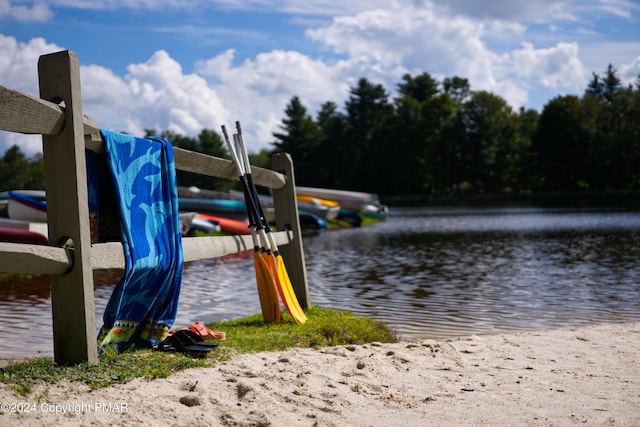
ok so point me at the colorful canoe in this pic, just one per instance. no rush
(201, 224)
(26, 207)
(33, 194)
(14, 235)
(227, 225)
(325, 209)
(311, 222)
(38, 227)
(227, 208)
(354, 200)
(316, 201)
(350, 216)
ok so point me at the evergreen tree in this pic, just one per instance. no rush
(490, 141)
(424, 158)
(333, 156)
(562, 145)
(457, 88)
(301, 139)
(419, 88)
(524, 157)
(368, 112)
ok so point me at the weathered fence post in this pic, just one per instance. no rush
(72, 293)
(286, 206)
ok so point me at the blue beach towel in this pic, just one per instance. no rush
(144, 304)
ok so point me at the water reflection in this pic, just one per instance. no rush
(443, 272)
(426, 272)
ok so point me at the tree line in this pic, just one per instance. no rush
(436, 138)
(441, 138)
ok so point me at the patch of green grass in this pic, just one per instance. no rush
(324, 328)
(113, 369)
(248, 335)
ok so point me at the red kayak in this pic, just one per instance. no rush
(232, 226)
(13, 235)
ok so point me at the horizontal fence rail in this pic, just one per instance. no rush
(39, 259)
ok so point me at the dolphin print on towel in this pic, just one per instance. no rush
(144, 303)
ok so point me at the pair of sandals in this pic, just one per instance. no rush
(206, 333)
(187, 342)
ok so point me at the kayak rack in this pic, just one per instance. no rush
(70, 258)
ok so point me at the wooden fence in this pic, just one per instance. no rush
(70, 257)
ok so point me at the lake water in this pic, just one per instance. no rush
(426, 272)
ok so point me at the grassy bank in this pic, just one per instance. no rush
(247, 335)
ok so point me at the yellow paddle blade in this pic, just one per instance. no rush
(266, 290)
(287, 294)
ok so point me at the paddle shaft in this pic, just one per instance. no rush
(254, 209)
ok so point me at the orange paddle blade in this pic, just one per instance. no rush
(266, 290)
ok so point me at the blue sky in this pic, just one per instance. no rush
(186, 65)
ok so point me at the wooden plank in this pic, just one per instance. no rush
(203, 164)
(190, 161)
(40, 259)
(105, 256)
(197, 248)
(34, 259)
(23, 113)
(72, 294)
(286, 206)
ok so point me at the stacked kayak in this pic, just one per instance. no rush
(365, 204)
(228, 208)
(26, 205)
(16, 235)
(24, 217)
(218, 223)
(325, 209)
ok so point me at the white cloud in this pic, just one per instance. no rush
(153, 95)
(630, 72)
(257, 91)
(621, 8)
(424, 39)
(18, 62)
(157, 95)
(217, 66)
(511, 10)
(597, 56)
(555, 67)
(18, 71)
(29, 144)
(38, 12)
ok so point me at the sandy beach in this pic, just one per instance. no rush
(585, 376)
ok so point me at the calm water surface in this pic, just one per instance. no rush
(427, 272)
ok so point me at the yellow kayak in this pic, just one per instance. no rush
(303, 198)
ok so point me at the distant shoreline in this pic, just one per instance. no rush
(579, 199)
